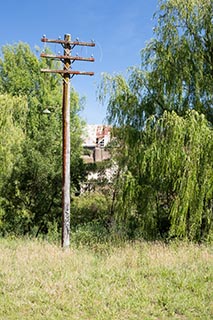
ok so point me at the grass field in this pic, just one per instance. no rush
(143, 280)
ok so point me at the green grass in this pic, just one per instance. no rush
(146, 281)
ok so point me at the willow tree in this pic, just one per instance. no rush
(166, 186)
(178, 63)
(163, 116)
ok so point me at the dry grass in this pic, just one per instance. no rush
(146, 281)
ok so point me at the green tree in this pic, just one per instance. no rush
(13, 112)
(164, 148)
(12, 122)
(166, 185)
(33, 200)
(180, 57)
(176, 67)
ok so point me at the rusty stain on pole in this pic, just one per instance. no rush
(66, 146)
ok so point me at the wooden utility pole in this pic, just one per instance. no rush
(67, 60)
(66, 147)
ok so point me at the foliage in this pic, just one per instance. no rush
(99, 176)
(162, 117)
(33, 200)
(90, 234)
(176, 67)
(12, 121)
(166, 185)
(90, 207)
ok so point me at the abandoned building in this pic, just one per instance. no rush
(95, 140)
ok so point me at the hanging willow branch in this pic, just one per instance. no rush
(169, 176)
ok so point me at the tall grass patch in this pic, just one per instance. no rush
(39, 280)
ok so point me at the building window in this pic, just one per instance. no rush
(101, 143)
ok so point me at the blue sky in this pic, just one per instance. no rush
(120, 29)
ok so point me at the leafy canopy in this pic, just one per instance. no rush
(31, 193)
(162, 116)
(176, 68)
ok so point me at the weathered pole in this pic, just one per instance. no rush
(66, 73)
(66, 147)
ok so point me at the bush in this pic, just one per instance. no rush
(89, 234)
(90, 207)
